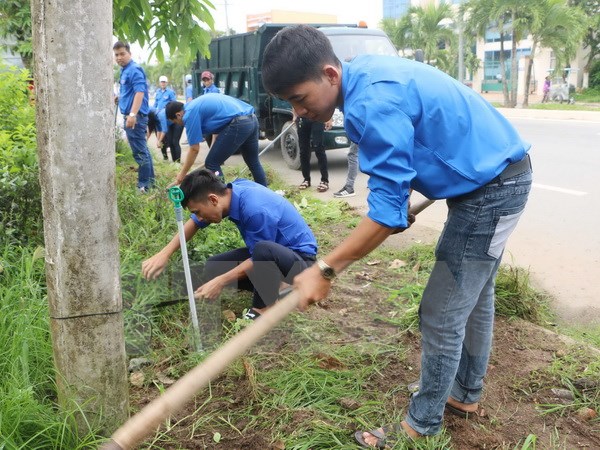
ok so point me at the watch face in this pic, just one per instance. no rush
(328, 273)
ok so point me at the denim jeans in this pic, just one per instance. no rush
(310, 139)
(136, 137)
(352, 167)
(242, 134)
(272, 264)
(457, 309)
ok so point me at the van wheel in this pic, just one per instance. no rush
(290, 149)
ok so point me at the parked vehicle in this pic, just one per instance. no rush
(236, 62)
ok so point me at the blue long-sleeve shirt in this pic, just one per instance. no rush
(419, 128)
(262, 215)
(162, 97)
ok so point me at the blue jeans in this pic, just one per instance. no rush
(136, 137)
(457, 309)
(242, 134)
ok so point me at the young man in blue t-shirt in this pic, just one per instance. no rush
(417, 128)
(232, 121)
(133, 104)
(279, 243)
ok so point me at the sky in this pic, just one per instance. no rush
(347, 11)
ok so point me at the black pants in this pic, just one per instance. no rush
(171, 140)
(273, 263)
(310, 139)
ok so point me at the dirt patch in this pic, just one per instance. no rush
(517, 384)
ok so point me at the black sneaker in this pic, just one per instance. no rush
(345, 192)
(251, 314)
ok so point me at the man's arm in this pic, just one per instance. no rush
(190, 158)
(138, 98)
(312, 287)
(154, 266)
(212, 289)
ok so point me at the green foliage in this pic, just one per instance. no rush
(595, 75)
(174, 23)
(20, 202)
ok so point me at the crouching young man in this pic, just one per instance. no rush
(279, 243)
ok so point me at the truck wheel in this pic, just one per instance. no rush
(290, 150)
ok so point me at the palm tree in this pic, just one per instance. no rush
(561, 28)
(482, 15)
(423, 28)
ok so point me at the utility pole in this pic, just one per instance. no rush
(75, 137)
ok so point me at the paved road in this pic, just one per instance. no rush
(558, 237)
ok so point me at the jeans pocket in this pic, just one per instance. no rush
(505, 222)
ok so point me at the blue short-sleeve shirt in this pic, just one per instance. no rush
(210, 113)
(262, 215)
(132, 81)
(162, 97)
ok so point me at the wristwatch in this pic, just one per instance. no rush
(327, 271)
(132, 115)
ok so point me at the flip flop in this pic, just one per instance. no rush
(383, 439)
(479, 412)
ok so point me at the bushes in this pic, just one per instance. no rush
(595, 75)
(20, 194)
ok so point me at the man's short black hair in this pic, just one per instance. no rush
(173, 108)
(295, 55)
(121, 44)
(197, 185)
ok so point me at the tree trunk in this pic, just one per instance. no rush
(514, 70)
(75, 134)
(503, 71)
(528, 74)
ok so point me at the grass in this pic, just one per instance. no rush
(296, 382)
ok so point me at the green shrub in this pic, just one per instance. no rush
(595, 75)
(20, 199)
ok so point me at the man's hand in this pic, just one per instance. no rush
(154, 266)
(130, 121)
(311, 287)
(328, 124)
(210, 290)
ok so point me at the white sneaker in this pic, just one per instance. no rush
(345, 192)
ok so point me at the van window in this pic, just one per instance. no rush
(347, 47)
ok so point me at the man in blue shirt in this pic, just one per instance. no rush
(417, 128)
(209, 83)
(279, 243)
(133, 104)
(173, 132)
(234, 123)
(189, 89)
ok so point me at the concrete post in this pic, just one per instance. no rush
(75, 134)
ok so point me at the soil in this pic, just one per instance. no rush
(518, 381)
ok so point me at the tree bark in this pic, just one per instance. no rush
(75, 134)
(528, 74)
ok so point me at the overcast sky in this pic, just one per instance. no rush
(347, 11)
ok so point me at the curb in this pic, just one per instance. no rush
(549, 114)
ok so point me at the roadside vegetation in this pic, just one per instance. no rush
(343, 365)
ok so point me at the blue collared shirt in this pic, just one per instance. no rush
(210, 113)
(133, 80)
(419, 128)
(162, 97)
(211, 89)
(189, 92)
(262, 215)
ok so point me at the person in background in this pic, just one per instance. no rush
(189, 89)
(348, 189)
(133, 104)
(546, 89)
(173, 133)
(208, 83)
(279, 243)
(310, 139)
(231, 120)
(417, 128)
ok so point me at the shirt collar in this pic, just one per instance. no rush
(234, 206)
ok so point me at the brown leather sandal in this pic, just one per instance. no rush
(304, 185)
(323, 186)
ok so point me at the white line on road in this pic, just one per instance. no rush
(558, 189)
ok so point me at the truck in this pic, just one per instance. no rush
(235, 61)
